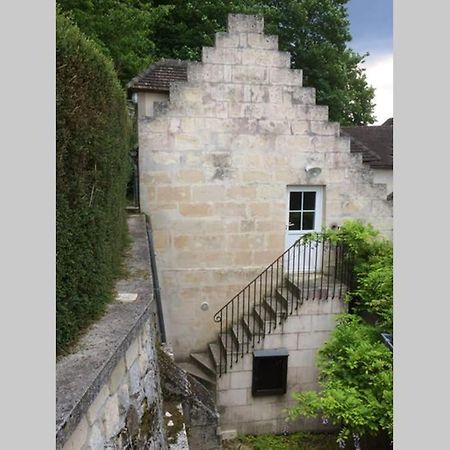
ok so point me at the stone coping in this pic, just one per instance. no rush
(80, 375)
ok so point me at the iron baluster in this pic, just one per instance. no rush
(309, 268)
(272, 295)
(292, 278)
(341, 276)
(335, 270)
(321, 269)
(315, 267)
(329, 268)
(265, 302)
(248, 319)
(226, 339)
(276, 303)
(254, 313)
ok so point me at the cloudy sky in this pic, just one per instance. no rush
(372, 28)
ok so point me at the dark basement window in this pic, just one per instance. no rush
(269, 372)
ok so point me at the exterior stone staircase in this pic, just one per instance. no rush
(249, 329)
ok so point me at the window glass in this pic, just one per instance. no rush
(308, 221)
(309, 201)
(294, 220)
(295, 202)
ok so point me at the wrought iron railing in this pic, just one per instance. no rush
(313, 268)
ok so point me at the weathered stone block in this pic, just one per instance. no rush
(134, 378)
(241, 23)
(240, 380)
(324, 128)
(274, 127)
(298, 95)
(249, 74)
(302, 358)
(296, 324)
(175, 193)
(96, 440)
(323, 322)
(226, 40)
(93, 411)
(132, 353)
(286, 76)
(117, 375)
(312, 340)
(78, 437)
(195, 209)
(277, 340)
(232, 397)
(262, 41)
(212, 55)
(266, 58)
(111, 417)
(123, 397)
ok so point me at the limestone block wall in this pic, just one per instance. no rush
(302, 335)
(128, 399)
(384, 176)
(146, 101)
(215, 167)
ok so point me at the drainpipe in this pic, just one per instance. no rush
(156, 289)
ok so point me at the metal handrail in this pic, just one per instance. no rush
(278, 290)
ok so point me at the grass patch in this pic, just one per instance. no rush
(294, 441)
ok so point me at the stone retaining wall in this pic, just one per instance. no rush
(108, 389)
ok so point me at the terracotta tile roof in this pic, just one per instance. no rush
(375, 143)
(159, 75)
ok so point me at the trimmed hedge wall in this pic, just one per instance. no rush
(93, 136)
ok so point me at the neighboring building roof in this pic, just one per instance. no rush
(375, 143)
(158, 76)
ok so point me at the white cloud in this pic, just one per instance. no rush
(380, 73)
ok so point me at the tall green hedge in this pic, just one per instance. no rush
(92, 167)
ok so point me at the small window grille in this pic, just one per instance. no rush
(269, 372)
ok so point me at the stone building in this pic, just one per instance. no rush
(236, 162)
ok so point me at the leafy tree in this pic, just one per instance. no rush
(122, 28)
(355, 365)
(315, 32)
(356, 382)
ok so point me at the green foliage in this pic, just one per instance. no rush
(372, 260)
(356, 381)
(92, 167)
(315, 32)
(294, 441)
(355, 365)
(122, 28)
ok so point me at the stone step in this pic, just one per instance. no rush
(252, 325)
(312, 285)
(214, 352)
(240, 334)
(275, 308)
(289, 299)
(198, 373)
(228, 343)
(203, 361)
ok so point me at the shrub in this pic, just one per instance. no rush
(92, 168)
(355, 366)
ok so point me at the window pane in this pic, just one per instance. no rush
(309, 200)
(308, 221)
(295, 202)
(294, 220)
